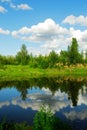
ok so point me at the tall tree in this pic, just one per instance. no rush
(86, 56)
(63, 57)
(53, 58)
(73, 52)
(22, 56)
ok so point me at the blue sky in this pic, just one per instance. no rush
(42, 25)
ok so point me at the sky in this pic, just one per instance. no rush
(42, 25)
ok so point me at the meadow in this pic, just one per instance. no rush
(18, 72)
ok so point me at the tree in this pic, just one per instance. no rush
(11, 60)
(86, 56)
(73, 53)
(53, 58)
(3, 60)
(63, 57)
(22, 56)
(42, 62)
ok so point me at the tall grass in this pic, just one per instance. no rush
(20, 72)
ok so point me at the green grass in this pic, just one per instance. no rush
(25, 72)
(14, 126)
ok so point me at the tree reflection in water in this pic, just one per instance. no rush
(69, 86)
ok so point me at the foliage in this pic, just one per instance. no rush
(45, 120)
(22, 55)
(66, 57)
(4, 125)
(86, 56)
(53, 59)
(42, 62)
(73, 53)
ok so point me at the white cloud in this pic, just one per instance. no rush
(2, 9)
(82, 20)
(47, 32)
(5, 32)
(81, 37)
(51, 35)
(42, 31)
(24, 7)
(20, 6)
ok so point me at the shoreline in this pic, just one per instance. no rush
(19, 72)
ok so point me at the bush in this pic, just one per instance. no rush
(45, 120)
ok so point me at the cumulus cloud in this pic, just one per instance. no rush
(51, 35)
(82, 20)
(2, 9)
(47, 32)
(81, 37)
(20, 6)
(5, 32)
(42, 31)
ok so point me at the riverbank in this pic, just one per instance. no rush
(14, 72)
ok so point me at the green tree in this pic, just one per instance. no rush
(11, 60)
(33, 61)
(73, 52)
(86, 56)
(22, 56)
(53, 58)
(64, 57)
(3, 60)
(42, 61)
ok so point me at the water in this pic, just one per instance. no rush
(20, 100)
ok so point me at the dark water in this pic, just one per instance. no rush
(67, 98)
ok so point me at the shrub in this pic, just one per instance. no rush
(45, 120)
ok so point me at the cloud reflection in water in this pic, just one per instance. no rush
(5, 103)
(36, 100)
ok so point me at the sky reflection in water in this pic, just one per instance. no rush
(21, 104)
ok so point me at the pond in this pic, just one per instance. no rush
(67, 98)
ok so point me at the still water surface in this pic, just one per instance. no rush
(20, 100)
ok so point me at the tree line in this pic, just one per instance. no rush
(66, 57)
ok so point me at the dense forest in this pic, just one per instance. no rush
(66, 57)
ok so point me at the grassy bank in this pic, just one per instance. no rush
(25, 72)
